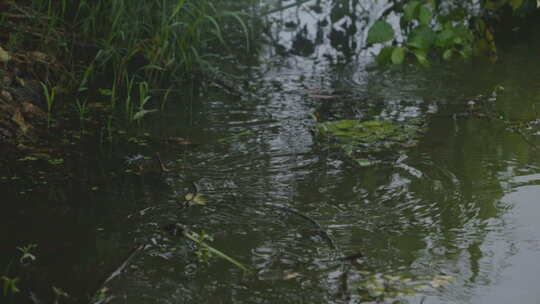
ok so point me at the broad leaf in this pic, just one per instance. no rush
(385, 56)
(447, 55)
(380, 32)
(424, 15)
(4, 55)
(398, 55)
(464, 32)
(421, 56)
(444, 38)
(422, 38)
(410, 11)
(516, 4)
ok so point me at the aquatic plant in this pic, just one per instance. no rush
(82, 110)
(26, 255)
(382, 287)
(359, 139)
(208, 250)
(144, 98)
(10, 281)
(50, 98)
(10, 285)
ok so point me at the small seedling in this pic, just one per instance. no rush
(10, 285)
(59, 293)
(26, 256)
(50, 96)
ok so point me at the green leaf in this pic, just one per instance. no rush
(140, 114)
(380, 32)
(410, 11)
(457, 14)
(421, 56)
(398, 55)
(105, 92)
(466, 51)
(422, 38)
(516, 4)
(385, 56)
(444, 38)
(464, 32)
(432, 3)
(481, 47)
(10, 285)
(424, 15)
(363, 162)
(4, 55)
(447, 55)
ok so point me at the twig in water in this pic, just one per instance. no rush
(124, 264)
(530, 143)
(320, 229)
(117, 271)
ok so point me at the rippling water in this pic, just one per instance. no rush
(462, 203)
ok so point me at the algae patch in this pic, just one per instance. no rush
(360, 140)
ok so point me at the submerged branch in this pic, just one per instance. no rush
(101, 298)
(526, 139)
(321, 230)
(124, 264)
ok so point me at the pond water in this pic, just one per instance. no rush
(455, 212)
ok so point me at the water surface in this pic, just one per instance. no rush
(461, 204)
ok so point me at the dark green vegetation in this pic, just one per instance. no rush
(128, 178)
(120, 56)
(449, 29)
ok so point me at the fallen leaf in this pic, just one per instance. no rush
(20, 121)
(291, 275)
(33, 110)
(177, 140)
(6, 95)
(195, 198)
(96, 105)
(4, 55)
(39, 56)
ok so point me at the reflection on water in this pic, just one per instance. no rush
(459, 204)
(462, 203)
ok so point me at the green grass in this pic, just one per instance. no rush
(129, 48)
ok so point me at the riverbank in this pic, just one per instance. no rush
(78, 80)
(89, 72)
(121, 58)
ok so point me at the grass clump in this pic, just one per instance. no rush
(123, 47)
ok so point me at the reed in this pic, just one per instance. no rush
(50, 98)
